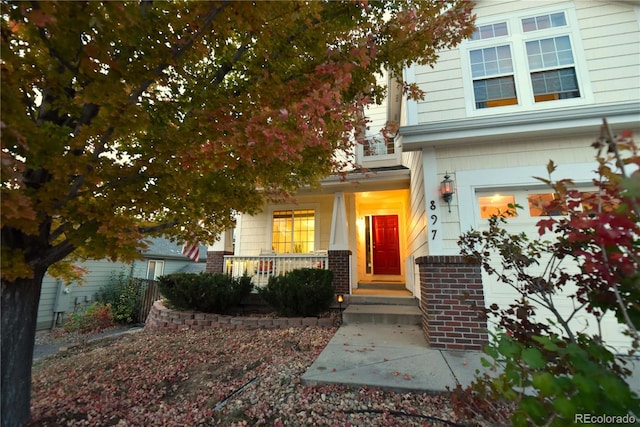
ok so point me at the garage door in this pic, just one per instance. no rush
(534, 203)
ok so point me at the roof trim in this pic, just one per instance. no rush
(374, 179)
(528, 124)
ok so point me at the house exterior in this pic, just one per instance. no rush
(533, 84)
(160, 258)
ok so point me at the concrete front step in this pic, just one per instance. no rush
(382, 285)
(382, 300)
(382, 314)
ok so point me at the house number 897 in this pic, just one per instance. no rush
(434, 219)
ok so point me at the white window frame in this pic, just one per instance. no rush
(312, 206)
(516, 40)
(158, 263)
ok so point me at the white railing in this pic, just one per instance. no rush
(261, 268)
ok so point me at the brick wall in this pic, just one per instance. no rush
(215, 261)
(339, 263)
(451, 288)
(162, 318)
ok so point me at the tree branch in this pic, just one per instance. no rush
(91, 110)
(53, 52)
(157, 228)
(179, 49)
(613, 147)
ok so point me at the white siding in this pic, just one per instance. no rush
(252, 236)
(444, 98)
(608, 46)
(417, 243)
(516, 153)
(377, 114)
(417, 224)
(611, 40)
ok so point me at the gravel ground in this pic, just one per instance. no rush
(223, 377)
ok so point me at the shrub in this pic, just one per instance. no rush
(95, 318)
(124, 294)
(303, 292)
(206, 292)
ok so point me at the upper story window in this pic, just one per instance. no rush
(522, 61)
(378, 145)
(542, 22)
(490, 31)
(552, 69)
(493, 77)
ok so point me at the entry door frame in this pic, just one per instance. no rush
(395, 269)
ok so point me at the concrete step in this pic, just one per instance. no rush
(382, 300)
(391, 286)
(382, 314)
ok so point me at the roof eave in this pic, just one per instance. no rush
(582, 120)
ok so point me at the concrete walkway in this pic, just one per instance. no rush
(392, 357)
(396, 358)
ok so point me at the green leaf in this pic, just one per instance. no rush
(545, 382)
(546, 342)
(631, 186)
(535, 409)
(519, 419)
(564, 406)
(585, 384)
(533, 357)
(491, 351)
(614, 388)
(508, 347)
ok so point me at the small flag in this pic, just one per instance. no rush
(192, 250)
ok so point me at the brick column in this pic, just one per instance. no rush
(451, 289)
(215, 261)
(339, 264)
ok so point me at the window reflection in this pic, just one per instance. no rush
(496, 205)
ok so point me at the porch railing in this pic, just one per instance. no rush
(261, 268)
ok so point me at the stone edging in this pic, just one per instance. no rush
(162, 318)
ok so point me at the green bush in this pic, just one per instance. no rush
(550, 382)
(205, 292)
(124, 294)
(96, 318)
(303, 292)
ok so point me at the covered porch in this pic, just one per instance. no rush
(357, 227)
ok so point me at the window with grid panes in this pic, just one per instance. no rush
(523, 61)
(293, 231)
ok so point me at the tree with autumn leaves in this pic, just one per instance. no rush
(123, 120)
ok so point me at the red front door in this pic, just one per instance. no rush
(386, 246)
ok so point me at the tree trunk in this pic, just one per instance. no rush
(19, 314)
